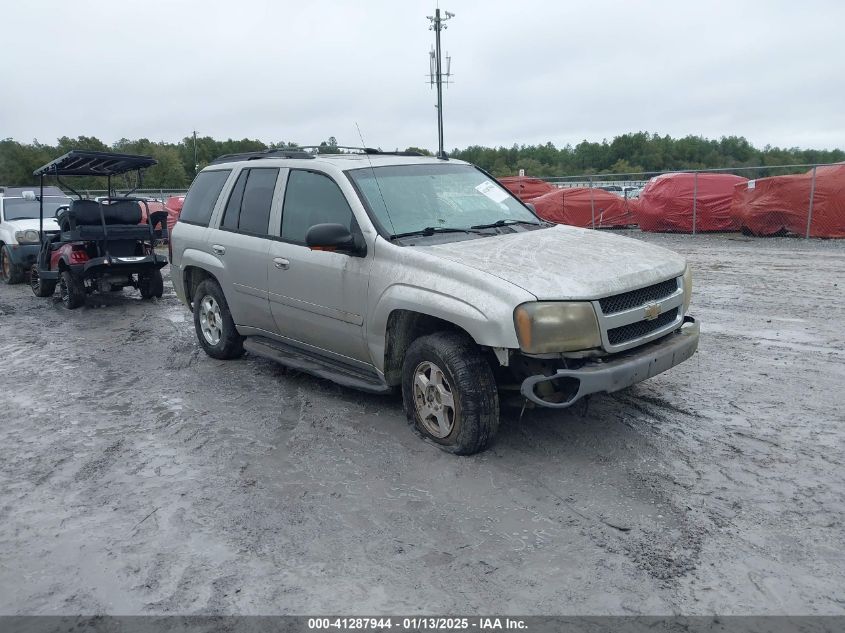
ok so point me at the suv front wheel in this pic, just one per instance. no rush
(449, 393)
(214, 325)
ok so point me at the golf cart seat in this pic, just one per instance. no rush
(82, 221)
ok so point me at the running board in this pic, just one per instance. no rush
(336, 371)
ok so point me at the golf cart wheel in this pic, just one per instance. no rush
(41, 287)
(214, 325)
(151, 284)
(71, 290)
(10, 272)
(449, 393)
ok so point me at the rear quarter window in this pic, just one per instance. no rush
(202, 196)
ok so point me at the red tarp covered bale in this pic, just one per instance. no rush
(576, 205)
(666, 203)
(780, 204)
(525, 188)
(173, 205)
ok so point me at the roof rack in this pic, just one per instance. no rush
(362, 150)
(303, 151)
(289, 152)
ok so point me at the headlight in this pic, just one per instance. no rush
(544, 327)
(687, 288)
(27, 237)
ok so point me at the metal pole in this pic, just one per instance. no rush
(694, 200)
(592, 204)
(439, 79)
(812, 196)
(196, 162)
(41, 210)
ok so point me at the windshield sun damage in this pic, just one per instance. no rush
(426, 198)
(23, 209)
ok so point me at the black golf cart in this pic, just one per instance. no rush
(99, 245)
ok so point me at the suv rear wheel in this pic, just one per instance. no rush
(213, 322)
(449, 393)
(10, 272)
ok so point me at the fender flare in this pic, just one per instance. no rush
(427, 302)
(195, 258)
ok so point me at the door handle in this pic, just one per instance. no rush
(281, 263)
(218, 250)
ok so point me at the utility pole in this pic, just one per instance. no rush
(436, 74)
(196, 162)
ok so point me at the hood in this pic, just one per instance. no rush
(50, 224)
(565, 262)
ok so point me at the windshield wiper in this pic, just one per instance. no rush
(505, 223)
(431, 230)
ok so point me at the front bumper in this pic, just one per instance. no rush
(620, 372)
(24, 255)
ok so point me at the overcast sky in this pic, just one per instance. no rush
(524, 71)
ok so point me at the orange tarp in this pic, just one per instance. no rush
(524, 188)
(666, 203)
(586, 207)
(780, 204)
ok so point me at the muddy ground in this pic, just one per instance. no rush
(139, 476)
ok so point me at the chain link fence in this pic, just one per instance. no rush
(803, 200)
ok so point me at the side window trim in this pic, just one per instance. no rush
(217, 214)
(275, 230)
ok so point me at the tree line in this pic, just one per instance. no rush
(640, 152)
(634, 152)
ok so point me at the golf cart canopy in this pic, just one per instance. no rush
(89, 163)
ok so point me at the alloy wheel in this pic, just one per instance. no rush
(434, 400)
(211, 321)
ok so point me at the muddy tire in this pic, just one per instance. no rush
(151, 285)
(10, 273)
(40, 287)
(449, 393)
(71, 290)
(213, 323)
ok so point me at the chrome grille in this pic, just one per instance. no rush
(638, 329)
(636, 298)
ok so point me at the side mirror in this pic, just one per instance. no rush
(531, 206)
(329, 237)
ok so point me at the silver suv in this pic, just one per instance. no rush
(380, 270)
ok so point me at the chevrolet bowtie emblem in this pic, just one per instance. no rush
(652, 311)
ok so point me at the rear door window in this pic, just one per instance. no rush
(202, 196)
(248, 208)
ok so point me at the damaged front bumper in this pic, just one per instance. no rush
(617, 373)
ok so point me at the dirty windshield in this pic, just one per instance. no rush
(23, 209)
(408, 198)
